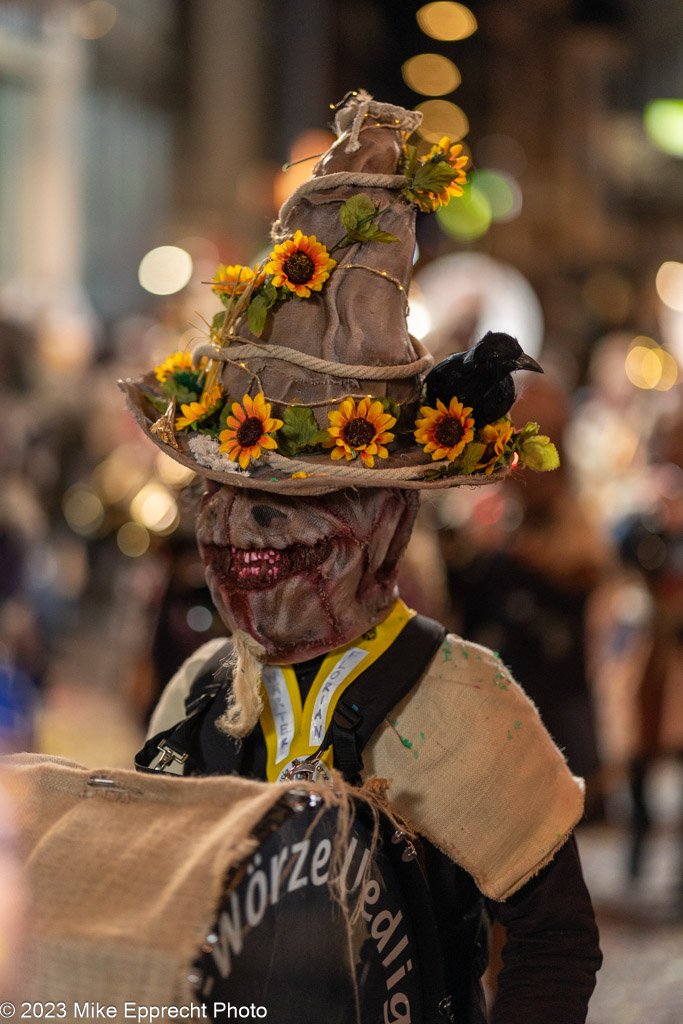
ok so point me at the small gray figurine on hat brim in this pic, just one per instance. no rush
(309, 380)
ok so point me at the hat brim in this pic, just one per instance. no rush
(322, 475)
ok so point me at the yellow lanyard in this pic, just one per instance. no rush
(293, 731)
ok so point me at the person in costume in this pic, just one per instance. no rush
(306, 412)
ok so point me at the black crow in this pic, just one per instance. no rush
(480, 378)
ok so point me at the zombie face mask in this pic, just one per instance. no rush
(303, 575)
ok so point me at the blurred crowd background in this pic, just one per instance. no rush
(143, 141)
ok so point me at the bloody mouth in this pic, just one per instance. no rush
(259, 568)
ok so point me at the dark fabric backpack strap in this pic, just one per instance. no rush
(211, 679)
(176, 751)
(367, 701)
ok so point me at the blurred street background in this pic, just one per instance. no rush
(142, 142)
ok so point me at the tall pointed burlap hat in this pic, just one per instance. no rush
(309, 380)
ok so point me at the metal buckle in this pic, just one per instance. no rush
(168, 760)
(306, 769)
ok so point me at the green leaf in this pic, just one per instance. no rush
(256, 314)
(471, 456)
(218, 321)
(411, 161)
(356, 209)
(183, 395)
(269, 293)
(539, 453)
(298, 430)
(529, 430)
(436, 473)
(390, 406)
(374, 234)
(319, 438)
(434, 177)
(159, 403)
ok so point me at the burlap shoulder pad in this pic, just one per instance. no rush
(171, 707)
(473, 769)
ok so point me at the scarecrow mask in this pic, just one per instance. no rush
(303, 575)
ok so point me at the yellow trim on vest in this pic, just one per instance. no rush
(310, 723)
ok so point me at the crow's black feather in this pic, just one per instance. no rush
(481, 377)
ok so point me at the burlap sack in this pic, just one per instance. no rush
(124, 880)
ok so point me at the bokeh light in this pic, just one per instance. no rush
(418, 319)
(83, 509)
(431, 74)
(165, 270)
(304, 153)
(94, 19)
(132, 539)
(501, 190)
(467, 216)
(441, 117)
(446, 21)
(663, 120)
(199, 618)
(650, 367)
(155, 509)
(121, 474)
(171, 472)
(669, 285)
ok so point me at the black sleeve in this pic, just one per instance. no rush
(552, 953)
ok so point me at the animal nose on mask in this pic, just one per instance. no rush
(264, 514)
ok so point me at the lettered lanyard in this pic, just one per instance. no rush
(291, 730)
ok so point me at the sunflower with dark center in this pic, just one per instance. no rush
(301, 264)
(359, 431)
(445, 431)
(495, 436)
(248, 430)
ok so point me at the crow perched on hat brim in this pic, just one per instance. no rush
(481, 377)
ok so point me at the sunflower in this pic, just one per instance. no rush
(495, 436)
(359, 431)
(443, 152)
(176, 363)
(249, 429)
(231, 279)
(445, 431)
(197, 411)
(301, 264)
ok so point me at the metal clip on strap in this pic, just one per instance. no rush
(168, 760)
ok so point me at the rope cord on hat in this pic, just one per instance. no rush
(324, 366)
(206, 451)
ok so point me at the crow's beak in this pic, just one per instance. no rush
(525, 362)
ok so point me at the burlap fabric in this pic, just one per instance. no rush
(356, 325)
(124, 881)
(469, 763)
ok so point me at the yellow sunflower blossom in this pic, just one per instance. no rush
(359, 431)
(301, 264)
(445, 431)
(249, 429)
(197, 411)
(172, 364)
(233, 279)
(495, 436)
